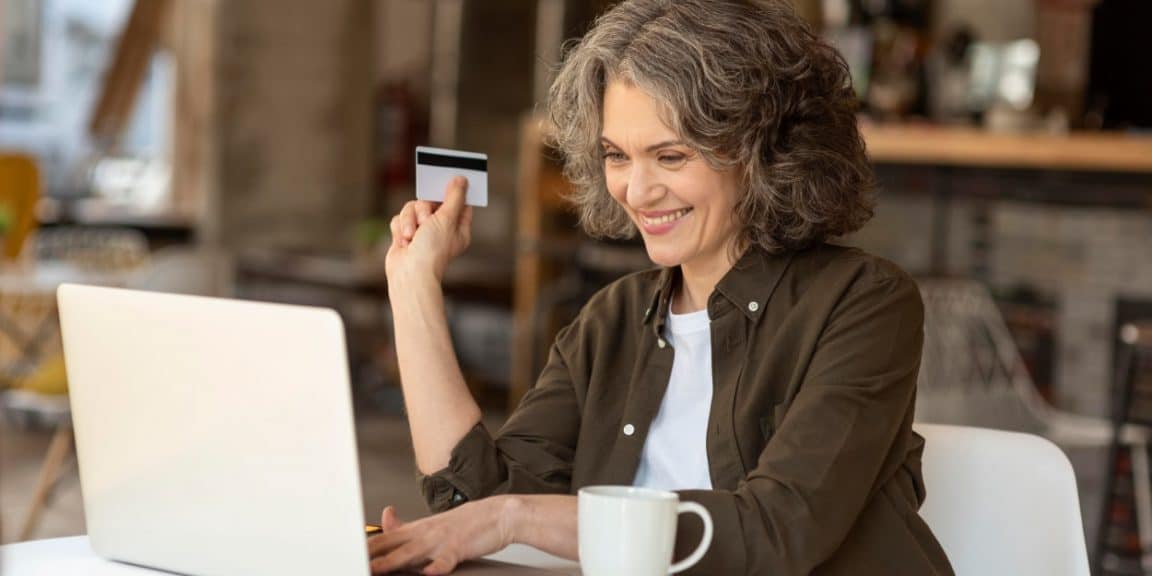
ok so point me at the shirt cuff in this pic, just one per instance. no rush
(472, 472)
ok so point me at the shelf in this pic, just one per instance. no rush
(970, 147)
(99, 212)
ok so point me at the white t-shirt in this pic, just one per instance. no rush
(675, 453)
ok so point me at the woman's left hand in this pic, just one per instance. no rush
(436, 544)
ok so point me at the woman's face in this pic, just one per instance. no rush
(682, 205)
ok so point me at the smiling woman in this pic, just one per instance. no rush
(760, 371)
(682, 205)
(745, 84)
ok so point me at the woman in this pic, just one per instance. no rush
(760, 371)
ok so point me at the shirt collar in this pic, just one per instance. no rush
(753, 279)
(658, 305)
(748, 286)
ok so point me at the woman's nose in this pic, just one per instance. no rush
(643, 187)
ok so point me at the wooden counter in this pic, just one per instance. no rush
(955, 146)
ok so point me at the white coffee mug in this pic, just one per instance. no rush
(629, 530)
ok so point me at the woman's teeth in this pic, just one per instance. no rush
(666, 218)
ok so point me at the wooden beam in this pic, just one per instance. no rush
(138, 41)
(194, 134)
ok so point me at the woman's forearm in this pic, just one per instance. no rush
(547, 522)
(441, 410)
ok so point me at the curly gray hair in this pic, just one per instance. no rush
(749, 86)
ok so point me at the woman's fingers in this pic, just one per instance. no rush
(453, 203)
(413, 215)
(412, 554)
(388, 519)
(386, 541)
(466, 223)
(440, 565)
(423, 211)
(408, 222)
(394, 226)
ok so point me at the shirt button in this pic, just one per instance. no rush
(629, 429)
(661, 343)
(753, 306)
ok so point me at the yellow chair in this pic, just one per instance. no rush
(49, 379)
(19, 194)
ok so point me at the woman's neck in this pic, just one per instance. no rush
(697, 282)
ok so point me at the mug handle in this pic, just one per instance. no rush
(705, 542)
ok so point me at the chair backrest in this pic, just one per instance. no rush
(971, 371)
(19, 194)
(1002, 503)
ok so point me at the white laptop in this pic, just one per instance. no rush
(214, 437)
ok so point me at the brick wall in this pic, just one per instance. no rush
(1085, 252)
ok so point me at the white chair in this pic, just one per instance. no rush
(972, 374)
(1002, 503)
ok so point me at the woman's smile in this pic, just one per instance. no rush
(662, 222)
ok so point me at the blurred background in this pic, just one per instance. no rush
(257, 149)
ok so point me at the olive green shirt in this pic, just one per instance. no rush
(813, 460)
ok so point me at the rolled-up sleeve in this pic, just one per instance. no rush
(532, 453)
(823, 464)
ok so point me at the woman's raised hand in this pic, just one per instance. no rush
(426, 236)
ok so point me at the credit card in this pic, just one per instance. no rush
(435, 168)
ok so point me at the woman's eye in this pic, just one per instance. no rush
(672, 159)
(614, 157)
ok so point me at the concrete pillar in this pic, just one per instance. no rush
(295, 82)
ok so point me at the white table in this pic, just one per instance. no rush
(60, 556)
